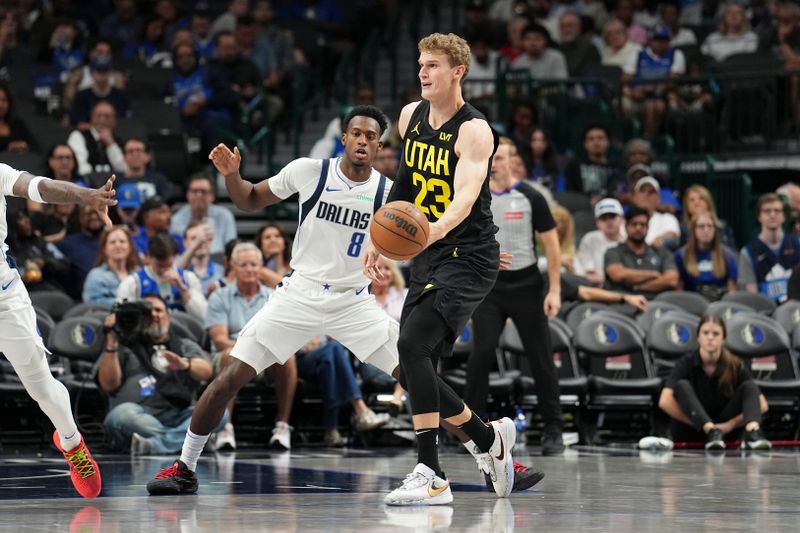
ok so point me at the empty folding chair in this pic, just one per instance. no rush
(725, 310)
(670, 337)
(621, 377)
(582, 311)
(655, 310)
(54, 303)
(692, 302)
(764, 346)
(788, 316)
(756, 300)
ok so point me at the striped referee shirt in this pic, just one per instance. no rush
(519, 212)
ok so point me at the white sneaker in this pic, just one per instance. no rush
(226, 440)
(421, 487)
(281, 436)
(140, 445)
(498, 464)
(369, 420)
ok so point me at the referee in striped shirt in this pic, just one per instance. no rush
(519, 293)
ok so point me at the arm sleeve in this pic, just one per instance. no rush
(541, 217)
(216, 314)
(297, 177)
(679, 371)
(198, 305)
(746, 272)
(8, 177)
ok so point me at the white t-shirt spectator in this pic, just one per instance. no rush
(623, 56)
(478, 72)
(721, 46)
(591, 251)
(550, 66)
(684, 37)
(661, 223)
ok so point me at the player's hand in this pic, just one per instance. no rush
(175, 361)
(369, 263)
(505, 260)
(101, 198)
(636, 300)
(225, 161)
(552, 304)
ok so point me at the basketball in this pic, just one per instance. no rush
(399, 230)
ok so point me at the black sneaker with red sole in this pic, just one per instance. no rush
(524, 478)
(177, 479)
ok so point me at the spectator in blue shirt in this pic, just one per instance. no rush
(704, 264)
(200, 207)
(197, 259)
(116, 260)
(82, 248)
(155, 216)
(190, 90)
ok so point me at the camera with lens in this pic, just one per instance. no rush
(131, 319)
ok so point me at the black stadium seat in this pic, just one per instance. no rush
(655, 309)
(725, 310)
(582, 311)
(671, 336)
(758, 301)
(692, 302)
(54, 303)
(83, 309)
(788, 316)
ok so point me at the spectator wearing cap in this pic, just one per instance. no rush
(636, 267)
(579, 51)
(766, 262)
(663, 229)
(102, 89)
(608, 218)
(649, 73)
(149, 182)
(180, 289)
(200, 207)
(97, 149)
(734, 35)
(129, 202)
(542, 61)
(155, 215)
(81, 247)
(116, 261)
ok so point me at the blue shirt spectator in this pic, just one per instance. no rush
(200, 207)
(704, 264)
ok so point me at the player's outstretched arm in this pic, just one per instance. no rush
(243, 193)
(474, 147)
(45, 190)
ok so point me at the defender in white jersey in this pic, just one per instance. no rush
(326, 293)
(20, 341)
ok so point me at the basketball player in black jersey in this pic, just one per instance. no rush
(444, 170)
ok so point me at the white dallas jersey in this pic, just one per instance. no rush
(8, 176)
(335, 214)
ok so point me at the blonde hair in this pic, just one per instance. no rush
(505, 141)
(454, 47)
(705, 195)
(397, 277)
(564, 220)
(722, 26)
(719, 264)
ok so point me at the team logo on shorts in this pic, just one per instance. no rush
(83, 335)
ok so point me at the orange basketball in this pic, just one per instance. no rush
(399, 230)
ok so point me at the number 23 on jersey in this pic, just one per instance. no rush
(433, 194)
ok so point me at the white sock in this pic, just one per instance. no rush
(192, 448)
(69, 442)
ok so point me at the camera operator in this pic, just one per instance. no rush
(152, 377)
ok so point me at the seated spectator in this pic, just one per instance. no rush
(41, 266)
(116, 261)
(61, 165)
(55, 221)
(710, 393)
(636, 267)
(482, 69)
(200, 207)
(540, 158)
(241, 74)
(129, 202)
(593, 246)
(190, 89)
(82, 247)
(734, 35)
(663, 229)
(149, 182)
(276, 249)
(101, 90)
(329, 366)
(650, 72)
(637, 158)
(179, 288)
(14, 133)
(624, 12)
(124, 25)
(155, 216)
(100, 51)
(197, 257)
(97, 150)
(619, 49)
(670, 12)
(542, 61)
(524, 117)
(390, 293)
(229, 309)
(516, 38)
(696, 200)
(152, 382)
(200, 24)
(579, 52)
(766, 262)
(151, 46)
(64, 50)
(591, 172)
(704, 264)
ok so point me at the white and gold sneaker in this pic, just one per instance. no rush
(421, 487)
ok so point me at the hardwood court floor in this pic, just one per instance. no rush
(589, 489)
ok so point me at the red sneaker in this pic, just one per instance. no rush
(82, 468)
